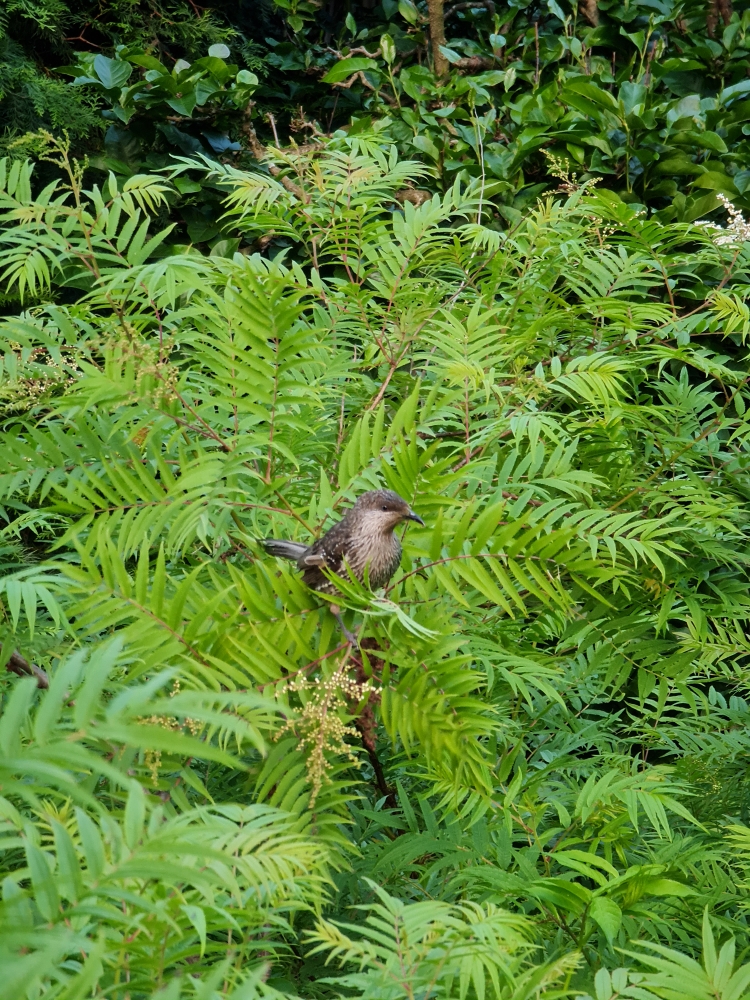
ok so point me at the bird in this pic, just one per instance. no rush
(363, 541)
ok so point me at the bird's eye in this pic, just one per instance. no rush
(384, 507)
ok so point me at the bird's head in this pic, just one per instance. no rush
(384, 510)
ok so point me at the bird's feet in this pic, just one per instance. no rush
(349, 636)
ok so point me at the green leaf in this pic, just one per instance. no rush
(346, 67)
(425, 145)
(608, 916)
(112, 73)
(408, 11)
(43, 883)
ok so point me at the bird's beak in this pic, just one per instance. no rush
(411, 516)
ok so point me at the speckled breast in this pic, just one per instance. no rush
(381, 560)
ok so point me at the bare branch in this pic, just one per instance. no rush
(18, 664)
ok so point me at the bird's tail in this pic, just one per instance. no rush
(284, 549)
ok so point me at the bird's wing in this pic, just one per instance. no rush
(331, 549)
(313, 559)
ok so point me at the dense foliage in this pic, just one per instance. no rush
(256, 259)
(530, 779)
(651, 97)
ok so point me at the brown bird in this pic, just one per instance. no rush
(362, 541)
